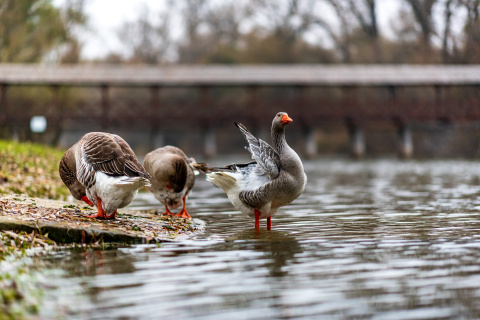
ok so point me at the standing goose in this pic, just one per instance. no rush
(274, 179)
(172, 177)
(102, 169)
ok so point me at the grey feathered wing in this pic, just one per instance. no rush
(265, 156)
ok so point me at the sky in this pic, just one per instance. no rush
(107, 16)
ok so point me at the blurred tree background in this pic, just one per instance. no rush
(251, 31)
(303, 31)
(36, 31)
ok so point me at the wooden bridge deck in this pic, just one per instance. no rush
(239, 75)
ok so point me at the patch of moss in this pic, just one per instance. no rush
(31, 169)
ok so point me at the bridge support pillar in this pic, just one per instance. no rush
(3, 110)
(310, 143)
(405, 143)
(210, 142)
(156, 138)
(357, 141)
(105, 107)
(57, 114)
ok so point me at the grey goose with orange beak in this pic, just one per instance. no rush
(273, 179)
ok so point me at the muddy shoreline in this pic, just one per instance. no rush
(66, 222)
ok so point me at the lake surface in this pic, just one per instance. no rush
(380, 239)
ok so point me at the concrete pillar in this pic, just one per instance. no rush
(405, 142)
(105, 120)
(357, 141)
(3, 110)
(157, 140)
(57, 114)
(310, 143)
(210, 140)
(209, 132)
(156, 136)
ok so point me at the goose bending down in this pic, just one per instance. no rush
(102, 170)
(172, 177)
(274, 179)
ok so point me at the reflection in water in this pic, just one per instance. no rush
(367, 240)
(277, 246)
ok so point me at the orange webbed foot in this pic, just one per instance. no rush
(184, 213)
(100, 214)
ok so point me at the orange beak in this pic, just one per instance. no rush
(87, 201)
(286, 119)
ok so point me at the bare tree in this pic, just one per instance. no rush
(209, 27)
(471, 50)
(146, 41)
(366, 15)
(446, 37)
(422, 10)
(74, 18)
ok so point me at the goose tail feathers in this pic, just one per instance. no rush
(141, 181)
(203, 167)
(222, 179)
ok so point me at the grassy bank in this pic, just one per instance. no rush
(31, 170)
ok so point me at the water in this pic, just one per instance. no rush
(379, 239)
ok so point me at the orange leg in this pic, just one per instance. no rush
(184, 213)
(269, 223)
(257, 219)
(100, 214)
(112, 216)
(167, 211)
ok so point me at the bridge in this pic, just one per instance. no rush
(206, 96)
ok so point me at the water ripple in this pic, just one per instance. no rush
(380, 239)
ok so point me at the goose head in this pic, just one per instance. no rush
(67, 171)
(281, 120)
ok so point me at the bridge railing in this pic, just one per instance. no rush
(352, 94)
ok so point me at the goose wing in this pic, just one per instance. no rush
(109, 154)
(99, 152)
(265, 156)
(133, 168)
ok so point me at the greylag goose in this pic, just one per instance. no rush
(102, 170)
(173, 177)
(274, 179)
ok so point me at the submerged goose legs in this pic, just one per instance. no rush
(257, 221)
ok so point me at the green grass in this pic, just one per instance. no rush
(31, 169)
